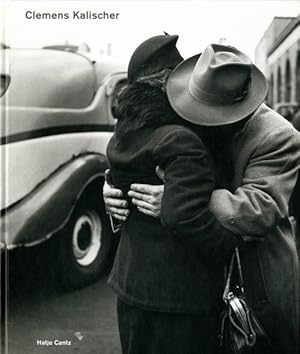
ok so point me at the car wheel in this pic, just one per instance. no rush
(84, 243)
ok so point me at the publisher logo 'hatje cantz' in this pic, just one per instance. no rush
(71, 15)
(55, 342)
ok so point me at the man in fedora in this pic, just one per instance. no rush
(222, 89)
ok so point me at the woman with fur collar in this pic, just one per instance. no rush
(168, 272)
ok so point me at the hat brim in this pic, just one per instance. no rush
(197, 112)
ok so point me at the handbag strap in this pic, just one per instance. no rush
(238, 311)
(234, 258)
(228, 280)
(240, 272)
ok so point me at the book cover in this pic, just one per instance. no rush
(63, 64)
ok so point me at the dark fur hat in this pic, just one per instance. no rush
(154, 54)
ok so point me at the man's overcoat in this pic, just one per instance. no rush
(266, 161)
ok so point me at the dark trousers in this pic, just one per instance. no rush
(151, 332)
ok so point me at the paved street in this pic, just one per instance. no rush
(40, 314)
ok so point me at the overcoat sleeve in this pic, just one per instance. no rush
(189, 182)
(267, 184)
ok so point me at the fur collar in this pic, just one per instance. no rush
(143, 105)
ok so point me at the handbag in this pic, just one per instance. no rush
(240, 330)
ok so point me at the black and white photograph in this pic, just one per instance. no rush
(150, 186)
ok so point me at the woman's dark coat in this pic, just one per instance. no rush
(176, 263)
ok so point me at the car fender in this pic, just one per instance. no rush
(48, 207)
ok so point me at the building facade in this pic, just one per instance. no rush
(278, 57)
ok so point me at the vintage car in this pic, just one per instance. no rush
(56, 120)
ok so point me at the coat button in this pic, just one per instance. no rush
(231, 220)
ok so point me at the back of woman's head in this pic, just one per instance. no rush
(144, 103)
(156, 79)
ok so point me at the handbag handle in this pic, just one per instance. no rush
(238, 311)
(235, 257)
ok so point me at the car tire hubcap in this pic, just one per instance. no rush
(86, 238)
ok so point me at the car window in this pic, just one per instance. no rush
(118, 88)
(50, 79)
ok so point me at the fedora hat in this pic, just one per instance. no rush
(219, 87)
(159, 51)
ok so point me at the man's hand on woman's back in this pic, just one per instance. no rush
(114, 202)
(146, 197)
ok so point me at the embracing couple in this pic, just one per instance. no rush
(227, 165)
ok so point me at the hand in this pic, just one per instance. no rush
(147, 198)
(114, 203)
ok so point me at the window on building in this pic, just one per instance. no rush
(270, 93)
(298, 79)
(279, 88)
(288, 87)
